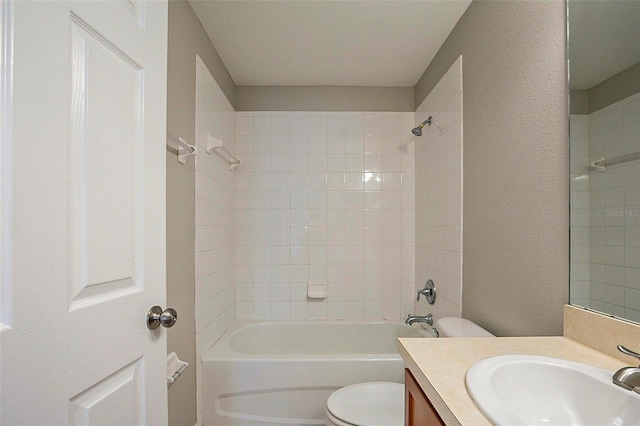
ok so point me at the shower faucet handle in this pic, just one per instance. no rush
(429, 291)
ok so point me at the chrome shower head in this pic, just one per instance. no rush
(418, 130)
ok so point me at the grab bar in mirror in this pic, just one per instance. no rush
(601, 164)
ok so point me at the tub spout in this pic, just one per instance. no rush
(428, 319)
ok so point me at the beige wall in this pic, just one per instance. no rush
(324, 98)
(186, 39)
(516, 225)
(615, 88)
(610, 91)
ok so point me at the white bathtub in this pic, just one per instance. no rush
(281, 373)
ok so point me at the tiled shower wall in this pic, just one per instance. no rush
(579, 284)
(606, 211)
(324, 197)
(438, 214)
(215, 220)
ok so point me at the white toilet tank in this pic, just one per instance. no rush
(460, 327)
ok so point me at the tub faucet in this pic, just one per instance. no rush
(628, 377)
(419, 318)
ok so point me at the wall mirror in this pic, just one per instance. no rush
(604, 82)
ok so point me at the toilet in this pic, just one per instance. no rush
(370, 404)
(382, 403)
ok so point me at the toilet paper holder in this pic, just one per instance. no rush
(175, 368)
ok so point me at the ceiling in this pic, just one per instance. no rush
(604, 39)
(328, 43)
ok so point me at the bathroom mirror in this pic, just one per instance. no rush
(604, 81)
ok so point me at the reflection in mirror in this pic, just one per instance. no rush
(604, 63)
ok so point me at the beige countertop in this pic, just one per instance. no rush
(440, 365)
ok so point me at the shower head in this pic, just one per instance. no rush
(418, 130)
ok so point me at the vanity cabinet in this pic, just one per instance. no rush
(418, 411)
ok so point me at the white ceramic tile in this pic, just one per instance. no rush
(244, 124)
(435, 192)
(279, 162)
(299, 200)
(613, 119)
(337, 311)
(318, 163)
(354, 200)
(354, 310)
(298, 181)
(373, 181)
(372, 122)
(244, 144)
(299, 143)
(299, 124)
(336, 123)
(280, 124)
(299, 311)
(318, 199)
(262, 144)
(337, 255)
(372, 144)
(354, 123)
(317, 123)
(280, 311)
(318, 144)
(216, 238)
(631, 111)
(354, 181)
(354, 144)
(308, 211)
(299, 163)
(262, 124)
(336, 163)
(392, 123)
(373, 163)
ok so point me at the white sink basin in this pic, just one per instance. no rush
(533, 390)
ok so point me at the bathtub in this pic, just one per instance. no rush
(281, 373)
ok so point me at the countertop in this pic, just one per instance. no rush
(439, 366)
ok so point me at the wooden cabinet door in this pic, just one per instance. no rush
(418, 411)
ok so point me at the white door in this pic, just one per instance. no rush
(83, 104)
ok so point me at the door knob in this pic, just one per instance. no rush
(157, 317)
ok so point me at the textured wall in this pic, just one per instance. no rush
(516, 222)
(186, 39)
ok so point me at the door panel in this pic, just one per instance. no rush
(104, 216)
(116, 400)
(86, 215)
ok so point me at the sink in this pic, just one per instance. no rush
(532, 390)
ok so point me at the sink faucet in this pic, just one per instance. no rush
(628, 377)
(419, 318)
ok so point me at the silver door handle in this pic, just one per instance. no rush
(156, 317)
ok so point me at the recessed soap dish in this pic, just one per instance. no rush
(317, 290)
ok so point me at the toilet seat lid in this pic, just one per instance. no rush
(369, 404)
